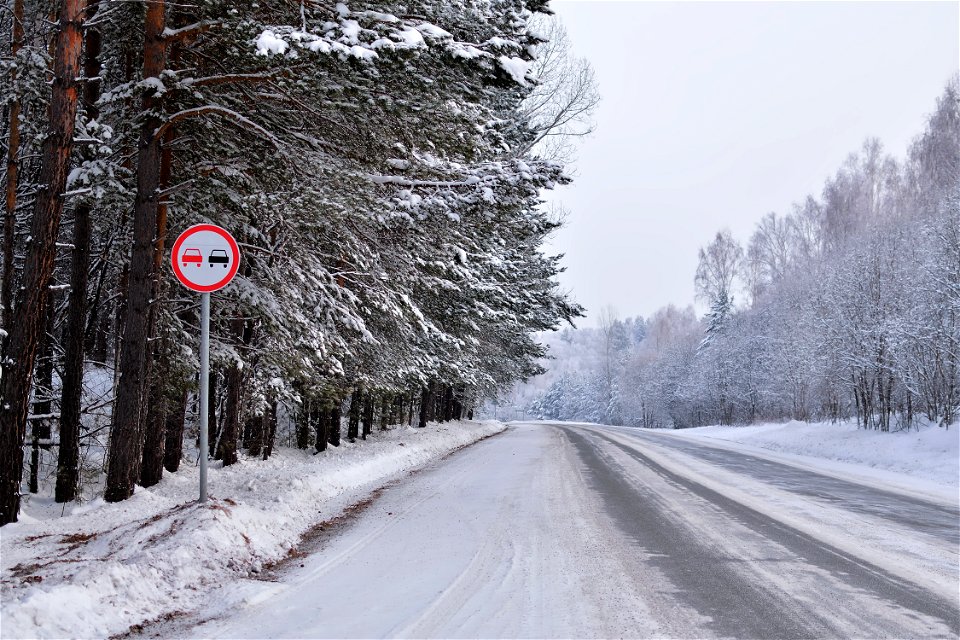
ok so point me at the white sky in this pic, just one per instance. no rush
(714, 114)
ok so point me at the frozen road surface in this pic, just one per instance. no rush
(553, 530)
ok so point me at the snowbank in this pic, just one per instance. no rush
(930, 455)
(103, 568)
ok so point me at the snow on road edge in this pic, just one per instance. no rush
(925, 561)
(923, 463)
(103, 568)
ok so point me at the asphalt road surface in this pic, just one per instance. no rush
(554, 530)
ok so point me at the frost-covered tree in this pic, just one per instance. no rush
(381, 166)
(33, 298)
(853, 305)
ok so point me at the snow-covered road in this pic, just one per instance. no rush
(553, 530)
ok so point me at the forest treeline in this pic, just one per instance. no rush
(379, 163)
(847, 306)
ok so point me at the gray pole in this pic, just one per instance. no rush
(204, 390)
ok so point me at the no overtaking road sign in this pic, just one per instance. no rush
(205, 258)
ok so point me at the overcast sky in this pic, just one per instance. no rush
(714, 114)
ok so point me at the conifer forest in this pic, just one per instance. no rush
(374, 163)
(479, 319)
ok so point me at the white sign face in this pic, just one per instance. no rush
(205, 258)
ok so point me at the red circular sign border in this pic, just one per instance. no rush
(223, 233)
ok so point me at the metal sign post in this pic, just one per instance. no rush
(204, 391)
(205, 258)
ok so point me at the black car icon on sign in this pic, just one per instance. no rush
(218, 256)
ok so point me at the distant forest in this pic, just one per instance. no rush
(847, 306)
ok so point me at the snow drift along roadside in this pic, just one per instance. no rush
(926, 458)
(105, 567)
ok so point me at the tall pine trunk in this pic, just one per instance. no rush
(231, 416)
(154, 441)
(68, 457)
(242, 331)
(397, 413)
(322, 420)
(457, 408)
(126, 437)
(303, 427)
(38, 267)
(426, 401)
(40, 428)
(334, 436)
(448, 403)
(213, 389)
(353, 423)
(253, 435)
(173, 432)
(367, 417)
(13, 165)
(155, 391)
(270, 429)
(385, 406)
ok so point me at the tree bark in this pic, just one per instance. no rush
(396, 410)
(335, 418)
(68, 457)
(367, 418)
(156, 387)
(231, 416)
(68, 460)
(99, 337)
(436, 409)
(40, 428)
(13, 150)
(123, 282)
(173, 433)
(151, 465)
(353, 423)
(385, 410)
(270, 429)
(126, 437)
(161, 405)
(213, 380)
(98, 320)
(322, 420)
(38, 267)
(242, 331)
(303, 427)
(254, 433)
(426, 401)
(448, 403)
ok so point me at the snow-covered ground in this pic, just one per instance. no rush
(924, 461)
(559, 531)
(502, 541)
(99, 569)
(920, 558)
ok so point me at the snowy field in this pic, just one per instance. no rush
(100, 569)
(924, 462)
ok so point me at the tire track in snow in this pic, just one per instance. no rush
(482, 548)
(925, 517)
(730, 604)
(907, 610)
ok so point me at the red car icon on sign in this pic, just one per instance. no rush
(192, 256)
(219, 256)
